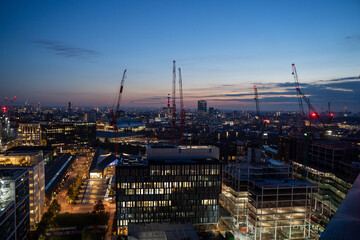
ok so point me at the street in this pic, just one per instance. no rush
(79, 165)
(91, 190)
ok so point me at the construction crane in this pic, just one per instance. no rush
(331, 114)
(256, 98)
(301, 96)
(115, 115)
(4, 108)
(182, 109)
(297, 86)
(8, 107)
(261, 122)
(312, 115)
(173, 120)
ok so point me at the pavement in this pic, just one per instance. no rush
(79, 165)
(95, 190)
(91, 191)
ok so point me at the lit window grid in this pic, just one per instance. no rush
(189, 196)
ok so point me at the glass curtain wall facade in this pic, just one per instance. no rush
(34, 163)
(168, 191)
(14, 204)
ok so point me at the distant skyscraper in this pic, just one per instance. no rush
(70, 107)
(211, 112)
(202, 109)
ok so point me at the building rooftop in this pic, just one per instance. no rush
(276, 183)
(166, 231)
(336, 145)
(21, 153)
(133, 160)
(167, 146)
(171, 152)
(188, 160)
(11, 174)
(105, 134)
(31, 148)
(54, 171)
(101, 160)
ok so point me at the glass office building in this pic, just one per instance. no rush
(159, 190)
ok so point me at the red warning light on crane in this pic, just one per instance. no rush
(4, 109)
(331, 115)
(313, 114)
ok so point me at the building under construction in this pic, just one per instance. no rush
(261, 196)
(329, 164)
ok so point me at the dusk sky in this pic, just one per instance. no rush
(58, 51)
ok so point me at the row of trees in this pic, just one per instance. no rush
(99, 206)
(74, 188)
(47, 221)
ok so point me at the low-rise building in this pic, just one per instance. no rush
(29, 134)
(103, 165)
(78, 134)
(55, 172)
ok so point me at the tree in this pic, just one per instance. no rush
(99, 206)
(47, 220)
(55, 207)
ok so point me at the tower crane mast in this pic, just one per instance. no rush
(115, 115)
(256, 98)
(173, 120)
(182, 109)
(297, 86)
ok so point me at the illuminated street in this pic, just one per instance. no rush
(96, 189)
(80, 164)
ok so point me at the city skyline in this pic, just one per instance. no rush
(58, 52)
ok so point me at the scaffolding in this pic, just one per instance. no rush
(262, 197)
(278, 209)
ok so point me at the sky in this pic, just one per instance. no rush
(54, 52)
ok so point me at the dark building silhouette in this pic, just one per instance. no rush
(69, 107)
(202, 108)
(69, 133)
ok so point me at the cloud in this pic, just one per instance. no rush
(279, 99)
(340, 89)
(250, 94)
(355, 36)
(345, 79)
(67, 50)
